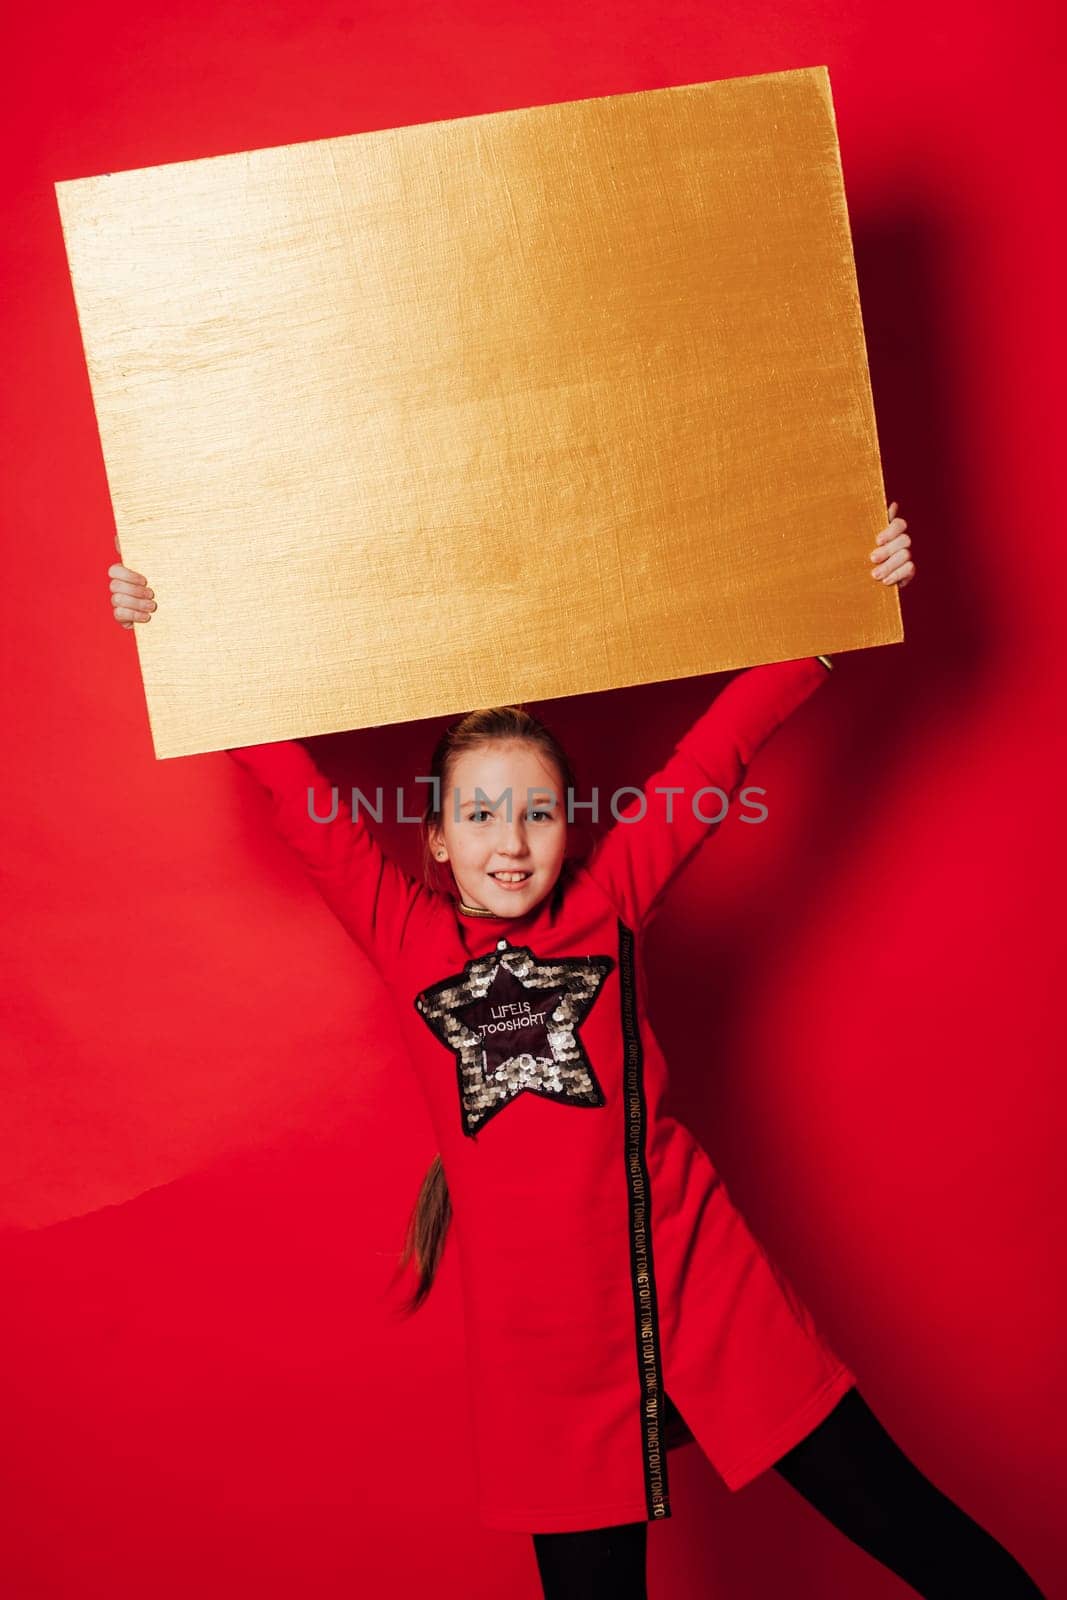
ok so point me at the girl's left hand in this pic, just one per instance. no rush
(892, 562)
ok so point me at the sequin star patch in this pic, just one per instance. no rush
(512, 1022)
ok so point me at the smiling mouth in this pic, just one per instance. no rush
(510, 879)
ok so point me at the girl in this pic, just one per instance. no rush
(616, 1303)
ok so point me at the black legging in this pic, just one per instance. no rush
(851, 1470)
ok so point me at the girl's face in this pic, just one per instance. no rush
(503, 860)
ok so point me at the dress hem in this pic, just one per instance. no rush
(569, 1521)
(799, 1425)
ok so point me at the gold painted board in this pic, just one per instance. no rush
(503, 407)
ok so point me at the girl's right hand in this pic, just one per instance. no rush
(131, 597)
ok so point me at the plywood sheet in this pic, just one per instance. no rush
(503, 407)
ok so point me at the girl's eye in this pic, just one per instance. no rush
(475, 815)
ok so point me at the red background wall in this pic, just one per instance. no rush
(210, 1138)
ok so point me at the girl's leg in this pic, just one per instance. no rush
(851, 1470)
(595, 1561)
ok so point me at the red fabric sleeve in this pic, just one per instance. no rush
(635, 860)
(370, 894)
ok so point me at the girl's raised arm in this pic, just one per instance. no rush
(636, 860)
(368, 892)
(371, 895)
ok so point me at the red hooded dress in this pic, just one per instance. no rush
(602, 1263)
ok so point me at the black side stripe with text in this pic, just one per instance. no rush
(642, 1270)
